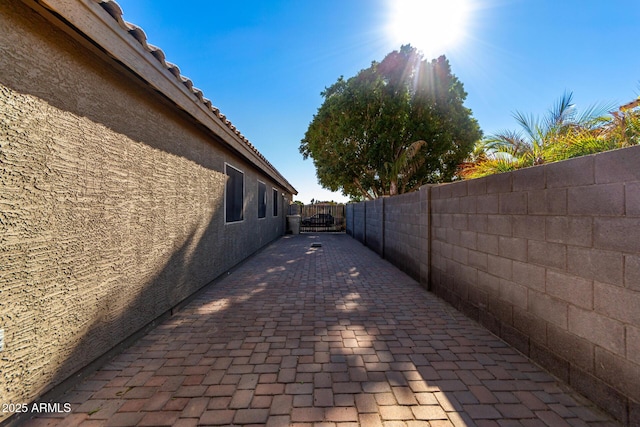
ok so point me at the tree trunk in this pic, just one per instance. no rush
(393, 187)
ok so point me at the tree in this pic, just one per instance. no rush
(561, 134)
(393, 127)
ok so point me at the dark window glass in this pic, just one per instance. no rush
(275, 202)
(262, 200)
(234, 198)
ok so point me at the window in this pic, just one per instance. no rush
(275, 202)
(234, 194)
(262, 200)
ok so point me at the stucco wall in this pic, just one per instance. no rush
(548, 258)
(111, 205)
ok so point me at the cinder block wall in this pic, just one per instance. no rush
(359, 222)
(397, 228)
(111, 206)
(405, 232)
(374, 236)
(548, 258)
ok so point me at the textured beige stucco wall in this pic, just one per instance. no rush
(111, 206)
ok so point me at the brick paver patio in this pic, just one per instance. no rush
(329, 336)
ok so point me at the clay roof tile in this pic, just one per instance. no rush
(114, 9)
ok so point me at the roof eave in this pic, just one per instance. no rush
(100, 21)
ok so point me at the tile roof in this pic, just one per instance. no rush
(114, 9)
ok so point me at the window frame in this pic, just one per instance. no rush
(262, 204)
(226, 194)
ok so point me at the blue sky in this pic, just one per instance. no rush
(264, 63)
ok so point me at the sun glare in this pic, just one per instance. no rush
(433, 26)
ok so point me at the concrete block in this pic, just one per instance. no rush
(603, 266)
(547, 202)
(488, 283)
(489, 321)
(453, 236)
(576, 231)
(436, 220)
(571, 173)
(570, 347)
(478, 260)
(529, 227)
(571, 289)
(598, 329)
(466, 275)
(547, 254)
(532, 326)
(618, 303)
(619, 372)
(532, 178)
(513, 293)
(529, 275)
(439, 233)
(476, 187)
(634, 412)
(500, 224)
(600, 393)
(460, 254)
(513, 203)
(633, 343)
(468, 239)
(478, 297)
(468, 204)
(488, 204)
(632, 198)
(499, 183)
(460, 287)
(437, 206)
(549, 361)
(548, 308)
(438, 262)
(446, 250)
(622, 234)
(632, 272)
(602, 199)
(488, 243)
(618, 165)
(515, 338)
(477, 223)
(501, 309)
(499, 266)
(458, 189)
(452, 205)
(446, 220)
(460, 221)
(435, 191)
(513, 248)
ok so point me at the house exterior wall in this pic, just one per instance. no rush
(548, 258)
(111, 205)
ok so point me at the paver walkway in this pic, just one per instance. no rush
(330, 336)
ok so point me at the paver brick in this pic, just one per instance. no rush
(396, 412)
(338, 337)
(251, 416)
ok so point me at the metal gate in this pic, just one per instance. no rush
(320, 217)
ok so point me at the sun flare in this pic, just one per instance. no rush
(433, 26)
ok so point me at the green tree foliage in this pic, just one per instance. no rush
(561, 134)
(393, 127)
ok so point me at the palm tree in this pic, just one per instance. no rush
(540, 139)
